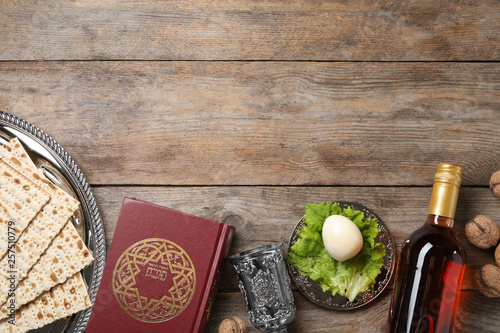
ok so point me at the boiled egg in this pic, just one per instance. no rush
(341, 237)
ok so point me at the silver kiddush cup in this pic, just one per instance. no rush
(265, 285)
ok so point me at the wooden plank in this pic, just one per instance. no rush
(476, 314)
(262, 215)
(310, 318)
(263, 123)
(381, 30)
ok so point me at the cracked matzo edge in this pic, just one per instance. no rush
(65, 256)
(21, 199)
(45, 226)
(43, 229)
(59, 302)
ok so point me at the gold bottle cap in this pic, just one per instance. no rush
(445, 190)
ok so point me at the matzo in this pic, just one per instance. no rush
(65, 256)
(61, 301)
(20, 201)
(15, 147)
(45, 226)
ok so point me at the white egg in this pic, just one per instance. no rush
(342, 237)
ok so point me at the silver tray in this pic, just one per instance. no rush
(311, 290)
(62, 170)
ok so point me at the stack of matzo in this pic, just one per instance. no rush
(48, 252)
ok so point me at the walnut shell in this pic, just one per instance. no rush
(482, 231)
(497, 255)
(487, 280)
(495, 183)
(241, 324)
(228, 326)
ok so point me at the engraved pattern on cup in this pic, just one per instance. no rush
(265, 286)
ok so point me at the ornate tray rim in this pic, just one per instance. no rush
(337, 302)
(94, 227)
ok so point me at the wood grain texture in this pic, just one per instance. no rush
(263, 123)
(262, 215)
(476, 314)
(310, 318)
(325, 100)
(369, 30)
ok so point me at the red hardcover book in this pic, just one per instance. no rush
(161, 273)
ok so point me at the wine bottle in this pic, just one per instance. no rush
(431, 265)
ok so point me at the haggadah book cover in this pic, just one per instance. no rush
(162, 271)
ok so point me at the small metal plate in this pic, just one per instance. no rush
(313, 291)
(62, 170)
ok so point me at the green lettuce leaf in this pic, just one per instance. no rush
(348, 278)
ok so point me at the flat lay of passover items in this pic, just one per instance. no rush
(341, 255)
(45, 206)
(162, 271)
(164, 265)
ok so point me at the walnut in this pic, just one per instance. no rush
(233, 325)
(497, 255)
(495, 183)
(482, 232)
(228, 326)
(487, 280)
(241, 324)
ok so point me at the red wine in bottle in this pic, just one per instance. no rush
(431, 265)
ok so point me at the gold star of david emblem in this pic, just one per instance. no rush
(154, 266)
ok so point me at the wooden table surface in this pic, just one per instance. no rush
(245, 111)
